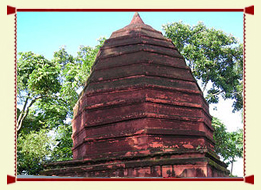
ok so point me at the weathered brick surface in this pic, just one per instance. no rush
(179, 164)
(141, 113)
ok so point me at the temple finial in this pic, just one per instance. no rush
(136, 19)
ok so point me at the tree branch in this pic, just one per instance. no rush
(204, 87)
(217, 93)
(22, 111)
(191, 65)
(25, 111)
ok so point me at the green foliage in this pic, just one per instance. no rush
(231, 175)
(36, 75)
(62, 150)
(75, 71)
(229, 145)
(37, 87)
(214, 57)
(47, 92)
(32, 123)
(33, 150)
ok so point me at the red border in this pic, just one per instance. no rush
(130, 179)
(247, 179)
(130, 10)
(15, 92)
(13, 10)
(244, 94)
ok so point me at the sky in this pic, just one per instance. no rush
(44, 33)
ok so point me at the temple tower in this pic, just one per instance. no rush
(141, 113)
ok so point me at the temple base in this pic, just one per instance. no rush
(173, 164)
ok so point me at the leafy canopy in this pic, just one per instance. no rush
(33, 150)
(214, 57)
(229, 145)
(47, 92)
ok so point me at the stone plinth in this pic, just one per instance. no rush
(186, 163)
(141, 113)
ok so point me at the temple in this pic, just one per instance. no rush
(141, 113)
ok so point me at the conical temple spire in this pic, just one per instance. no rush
(136, 19)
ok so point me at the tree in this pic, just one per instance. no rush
(37, 87)
(229, 145)
(33, 150)
(214, 57)
(47, 92)
(62, 143)
(40, 110)
(75, 71)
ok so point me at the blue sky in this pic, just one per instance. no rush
(44, 33)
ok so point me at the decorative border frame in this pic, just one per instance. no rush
(246, 10)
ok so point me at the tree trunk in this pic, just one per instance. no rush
(25, 112)
(231, 170)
